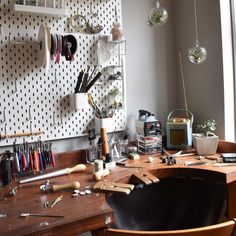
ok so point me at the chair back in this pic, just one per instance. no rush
(221, 229)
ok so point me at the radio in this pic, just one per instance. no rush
(179, 130)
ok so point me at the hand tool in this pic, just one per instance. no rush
(24, 162)
(79, 81)
(16, 159)
(186, 154)
(94, 106)
(54, 188)
(40, 159)
(50, 205)
(224, 164)
(77, 168)
(43, 159)
(31, 159)
(11, 193)
(58, 199)
(171, 158)
(85, 81)
(113, 187)
(105, 146)
(25, 152)
(93, 81)
(52, 156)
(123, 165)
(36, 160)
(194, 163)
(90, 77)
(39, 215)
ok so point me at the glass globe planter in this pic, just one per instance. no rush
(158, 15)
(197, 54)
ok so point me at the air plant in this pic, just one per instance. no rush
(207, 128)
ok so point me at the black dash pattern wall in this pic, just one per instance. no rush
(32, 99)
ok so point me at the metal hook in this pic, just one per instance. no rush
(61, 118)
(54, 119)
(5, 129)
(30, 127)
(55, 77)
(4, 116)
(15, 85)
(30, 116)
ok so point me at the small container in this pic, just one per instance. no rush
(98, 166)
(93, 153)
(6, 171)
(122, 147)
(106, 123)
(79, 101)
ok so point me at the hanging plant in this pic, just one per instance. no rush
(158, 15)
(114, 92)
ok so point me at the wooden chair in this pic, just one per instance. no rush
(221, 229)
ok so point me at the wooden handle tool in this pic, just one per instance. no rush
(77, 168)
(73, 186)
(105, 145)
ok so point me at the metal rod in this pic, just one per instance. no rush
(183, 83)
(195, 18)
(40, 215)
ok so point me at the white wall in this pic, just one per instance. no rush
(150, 60)
(152, 69)
(204, 82)
(153, 77)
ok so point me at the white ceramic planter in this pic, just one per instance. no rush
(205, 145)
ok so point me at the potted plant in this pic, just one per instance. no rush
(205, 141)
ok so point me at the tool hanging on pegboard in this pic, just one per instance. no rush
(33, 157)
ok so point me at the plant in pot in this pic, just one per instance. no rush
(205, 141)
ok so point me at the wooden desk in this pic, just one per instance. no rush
(90, 212)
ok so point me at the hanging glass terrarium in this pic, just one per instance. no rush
(197, 54)
(158, 15)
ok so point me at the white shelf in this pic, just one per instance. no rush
(58, 12)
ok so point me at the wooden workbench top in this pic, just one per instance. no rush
(89, 212)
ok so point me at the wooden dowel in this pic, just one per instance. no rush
(3, 136)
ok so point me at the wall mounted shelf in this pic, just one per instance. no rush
(57, 12)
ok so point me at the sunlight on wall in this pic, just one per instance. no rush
(228, 70)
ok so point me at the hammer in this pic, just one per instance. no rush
(54, 188)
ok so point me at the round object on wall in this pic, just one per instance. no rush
(44, 39)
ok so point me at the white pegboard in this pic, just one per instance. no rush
(30, 98)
